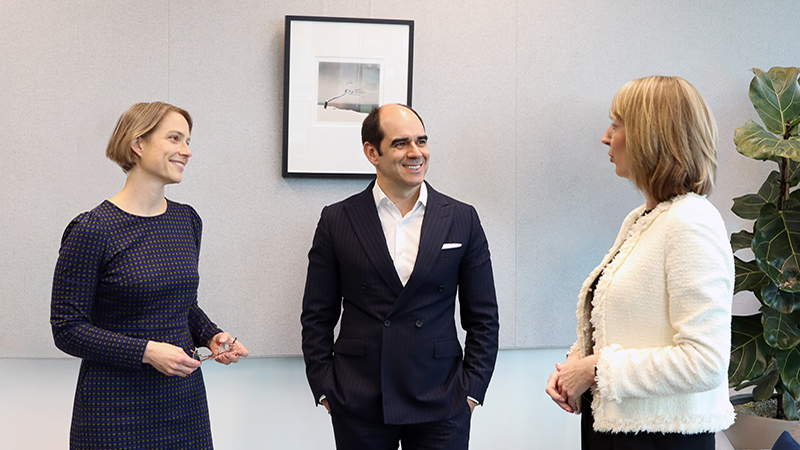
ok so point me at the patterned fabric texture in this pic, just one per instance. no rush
(662, 322)
(120, 281)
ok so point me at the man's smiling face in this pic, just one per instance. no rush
(403, 160)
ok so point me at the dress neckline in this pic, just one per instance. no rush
(137, 215)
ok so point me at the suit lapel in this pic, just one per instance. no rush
(435, 225)
(363, 216)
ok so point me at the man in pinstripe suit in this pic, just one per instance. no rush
(386, 265)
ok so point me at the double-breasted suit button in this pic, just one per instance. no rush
(364, 285)
(441, 288)
(418, 324)
(387, 323)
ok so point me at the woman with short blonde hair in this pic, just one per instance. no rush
(124, 299)
(649, 367)
(138, 122)
(671, 136)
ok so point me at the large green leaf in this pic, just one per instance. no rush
(766, 386)
(780, 330)
(749, 206)
(781, 301)
(763, 379)
(748, 276)
(789, 406)
(742, 239)
(753, 141)
(794, 172)
(776, 244)
(789, 366)
(776, 97)
(750, 353)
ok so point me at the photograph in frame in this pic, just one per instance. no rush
(347, 90)
(337, 70)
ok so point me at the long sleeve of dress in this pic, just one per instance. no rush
(201, 327)
(80, 261)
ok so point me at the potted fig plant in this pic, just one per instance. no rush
(765, 347)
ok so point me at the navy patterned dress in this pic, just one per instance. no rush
(120, 281)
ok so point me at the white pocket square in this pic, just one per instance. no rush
(451, 245)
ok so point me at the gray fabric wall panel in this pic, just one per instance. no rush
(515, 98)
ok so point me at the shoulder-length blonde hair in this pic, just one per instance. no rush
(670, 136)
(137, 122)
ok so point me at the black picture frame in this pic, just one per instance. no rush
(336, 70)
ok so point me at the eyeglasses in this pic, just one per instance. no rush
(202, 354)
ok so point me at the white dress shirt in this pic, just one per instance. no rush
(401, 232)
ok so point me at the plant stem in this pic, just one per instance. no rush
(780, 415)
(783, 192)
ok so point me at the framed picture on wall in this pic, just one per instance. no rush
(336, 71)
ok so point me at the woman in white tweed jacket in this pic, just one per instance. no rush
(654, 317)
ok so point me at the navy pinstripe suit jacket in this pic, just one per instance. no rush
(397, 358)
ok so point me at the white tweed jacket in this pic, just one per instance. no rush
(661, 313)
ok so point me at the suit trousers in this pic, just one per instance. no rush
(597, 440)
(447, 434)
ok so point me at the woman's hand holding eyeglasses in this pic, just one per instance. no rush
(226, 349)
(169, 359)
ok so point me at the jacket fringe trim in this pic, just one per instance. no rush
(684, 423)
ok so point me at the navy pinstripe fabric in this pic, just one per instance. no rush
(120, 281)
(397, 358)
